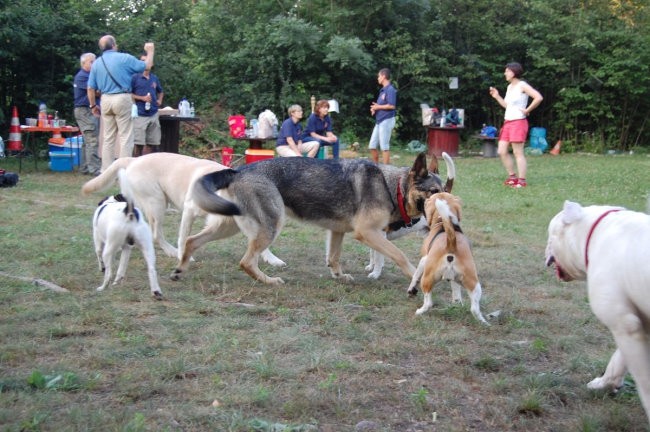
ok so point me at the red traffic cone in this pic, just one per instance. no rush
(15, 143)
(556, 149)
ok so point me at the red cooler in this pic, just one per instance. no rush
(256, 155)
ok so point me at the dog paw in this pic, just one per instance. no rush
(370, 267)
(421, 310)
(275, 281)
(277, 263)
(601, 383)
(374, 275)
(345, 277)
(412, 292)
(157, 295)
(176, 275)
(596, 384)
(271, 259)
(101, 288)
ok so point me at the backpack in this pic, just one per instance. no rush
(8, 179)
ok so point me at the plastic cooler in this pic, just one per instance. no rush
(65, 154)
(256, 155)
(63, 161)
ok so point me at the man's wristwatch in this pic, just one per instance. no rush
(93, 106)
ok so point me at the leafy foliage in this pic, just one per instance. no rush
(589, 58)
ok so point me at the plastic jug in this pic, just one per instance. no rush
(42, 115)
(184, 108)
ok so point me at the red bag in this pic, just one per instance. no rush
(237, 125)
(226, 156)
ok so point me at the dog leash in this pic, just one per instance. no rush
(591, 231)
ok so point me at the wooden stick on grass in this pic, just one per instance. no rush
(36, 281)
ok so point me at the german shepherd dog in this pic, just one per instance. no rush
(346, 195)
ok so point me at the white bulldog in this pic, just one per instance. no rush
(609, 247)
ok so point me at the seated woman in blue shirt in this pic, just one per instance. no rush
(319, 128)
(289, 142)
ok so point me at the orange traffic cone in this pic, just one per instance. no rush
(556, 149)
(15, 143)
(57, 139)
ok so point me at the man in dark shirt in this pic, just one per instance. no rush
(87, 122)
(148, 96)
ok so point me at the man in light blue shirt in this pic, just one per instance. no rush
(111, 75)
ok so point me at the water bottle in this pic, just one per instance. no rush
(443, 119)
(147, 104)
(42, 115)
(255, 126)
(192, 112)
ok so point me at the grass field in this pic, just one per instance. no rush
(224, 353)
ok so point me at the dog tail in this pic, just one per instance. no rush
(449, 223)
(451, 172)
(130, 211)
(203, 193)
(107, 178)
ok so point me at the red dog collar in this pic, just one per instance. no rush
(400, 203)
(591, 231)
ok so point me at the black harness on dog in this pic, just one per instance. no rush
(442, 230)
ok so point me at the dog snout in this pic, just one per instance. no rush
(550, 260)
(450, 258)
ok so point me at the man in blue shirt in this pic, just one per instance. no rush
(87, 122)
(384, 112)
(148, 96)
(111, 75)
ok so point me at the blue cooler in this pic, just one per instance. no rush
(62, 160)
(68, 148)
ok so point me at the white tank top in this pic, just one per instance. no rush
(516, 101)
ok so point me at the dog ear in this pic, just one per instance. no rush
(420, 166)
(433, 164)
(571, 212)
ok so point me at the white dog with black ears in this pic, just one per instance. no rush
(119, 225)
(609, 248)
